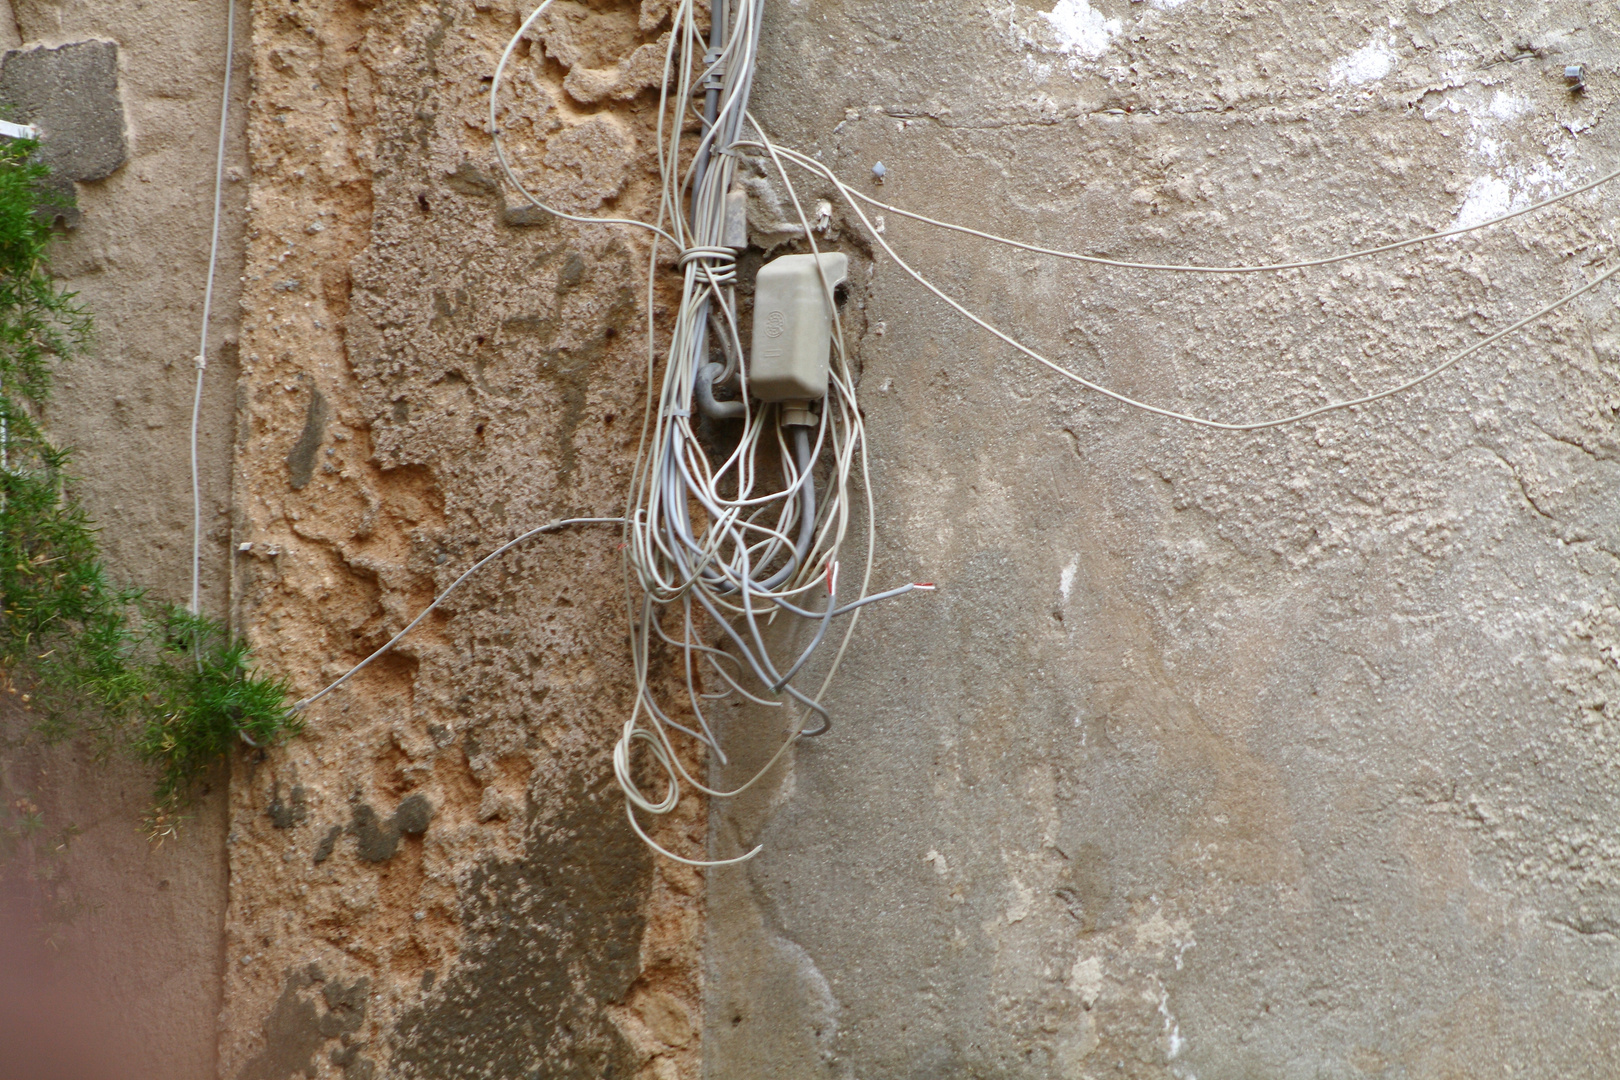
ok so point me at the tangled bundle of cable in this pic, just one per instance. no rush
(745, 548)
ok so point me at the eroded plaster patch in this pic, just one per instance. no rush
(1508, 186)
(1082, 31)
(1367, 64)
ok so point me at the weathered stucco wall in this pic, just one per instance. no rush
(139, 945)
(437, 880)
(1215, 755)
(1227, 755)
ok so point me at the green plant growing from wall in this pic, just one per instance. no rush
(80, 653)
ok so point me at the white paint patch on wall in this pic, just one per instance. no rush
(1082, 31)
(1041, 71)
(1367, 64)
(1023, 901)
(1506, 106)
(1066, 578)
(1174, 1044)
(1488, 197)
(1506, 186)
(1492, 196)
(1509, 187)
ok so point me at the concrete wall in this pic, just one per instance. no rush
(139, 959)
(1216, 755)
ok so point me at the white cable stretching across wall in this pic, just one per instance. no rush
(1192, 268)
(208, 306)
(765, 546)
(850, 197)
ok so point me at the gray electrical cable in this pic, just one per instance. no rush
(495, 135)
(722, 535)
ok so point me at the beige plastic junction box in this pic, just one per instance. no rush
(793, 326)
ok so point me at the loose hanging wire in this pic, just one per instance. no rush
(208, 307)
(755, 549)
(722, 543)
(452, 587)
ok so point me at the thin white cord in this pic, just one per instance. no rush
(1178, 268)
(813, 166)
(452, 587)
(760, 551)
(208, 308)
(496, 136)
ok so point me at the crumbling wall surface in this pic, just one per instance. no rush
(127, 93)
(437, 879)
(1283, 753)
